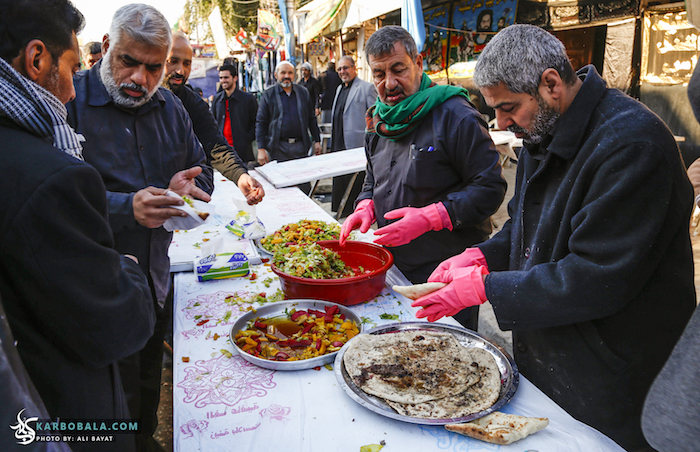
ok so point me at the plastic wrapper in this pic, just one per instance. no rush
(192, 220)
(246, 224)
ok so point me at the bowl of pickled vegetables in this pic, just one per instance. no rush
(294, 334)
(346, 275)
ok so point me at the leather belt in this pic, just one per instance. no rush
(291, 140)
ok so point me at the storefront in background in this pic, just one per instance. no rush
(670, 49)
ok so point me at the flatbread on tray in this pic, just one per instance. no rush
(410, 366)
(424, 374)
(500, 428)
(477, 397)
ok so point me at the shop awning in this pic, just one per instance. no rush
(328, 16)
(363, 10)
(315, 16)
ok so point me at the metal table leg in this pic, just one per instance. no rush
(345, 197)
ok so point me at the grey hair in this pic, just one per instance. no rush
(349, 58)
(518, 55)
(382, 42)
(179, 34)
(282, 63)
(143, 24)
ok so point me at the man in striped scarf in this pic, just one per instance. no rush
(75, 306)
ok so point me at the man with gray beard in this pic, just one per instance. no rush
(593, 272)
(140, 139)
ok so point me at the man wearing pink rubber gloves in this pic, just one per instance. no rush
(432, 179)
(595, 286)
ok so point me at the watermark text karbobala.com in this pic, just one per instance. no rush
(73, 426)
(32, 429)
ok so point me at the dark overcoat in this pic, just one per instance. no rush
(242, 109)
(594, 270)
(74, 304)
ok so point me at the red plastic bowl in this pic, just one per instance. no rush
(375, 260)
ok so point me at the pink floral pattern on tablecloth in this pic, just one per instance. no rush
(276, 412)
(189, 428)
(193, 333)
(225, 381)
(214, 307)
(294, 208)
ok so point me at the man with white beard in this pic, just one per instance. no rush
(140, 139)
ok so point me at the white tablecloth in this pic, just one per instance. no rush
(298, 171)
(223, 403)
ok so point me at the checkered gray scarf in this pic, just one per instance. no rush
(37, 110)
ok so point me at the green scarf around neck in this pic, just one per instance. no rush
(401, 119)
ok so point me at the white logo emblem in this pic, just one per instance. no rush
(23, 432)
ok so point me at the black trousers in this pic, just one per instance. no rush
(468, 318)
(289, 151)
(141, 377)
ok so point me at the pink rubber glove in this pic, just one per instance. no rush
(470, 256)
(465, 289)
(363, 217)
(414, 222)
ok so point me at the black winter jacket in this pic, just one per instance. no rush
(448, 158)
(594, 270)
(242, 111)
(220, 155)
(268, 123)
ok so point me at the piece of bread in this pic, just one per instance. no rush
(416, 291)
(500, 428)
(202, 215)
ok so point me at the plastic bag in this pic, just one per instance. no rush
(246, 224)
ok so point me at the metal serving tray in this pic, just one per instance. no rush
(278, 310)
(509, 372)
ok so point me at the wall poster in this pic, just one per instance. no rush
(475, 22)
(435, 48)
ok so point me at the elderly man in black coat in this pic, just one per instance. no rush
(286, 127)
(309, 82)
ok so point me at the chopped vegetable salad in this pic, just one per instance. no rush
(303, 231)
